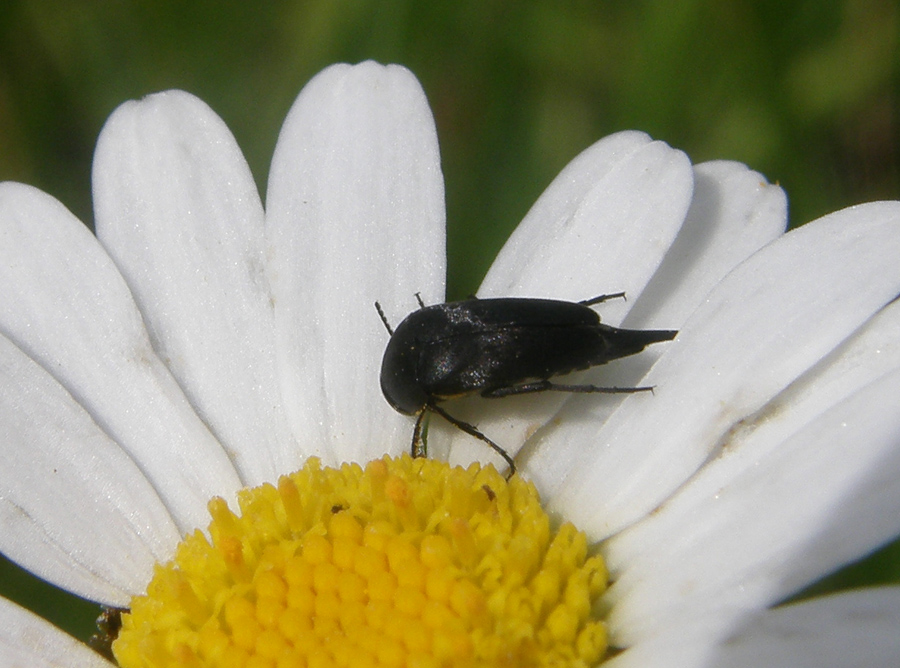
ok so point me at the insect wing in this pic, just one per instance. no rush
(491, 343)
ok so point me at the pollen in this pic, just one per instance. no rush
(405, 562)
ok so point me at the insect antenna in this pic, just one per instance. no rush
(384, 319)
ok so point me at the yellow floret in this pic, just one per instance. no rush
(408, 562)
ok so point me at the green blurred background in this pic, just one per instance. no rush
(805, 92)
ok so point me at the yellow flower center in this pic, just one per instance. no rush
(408, 562)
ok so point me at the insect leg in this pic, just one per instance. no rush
(547, 386)
(472, 431)
(418, 449)
(602, 298)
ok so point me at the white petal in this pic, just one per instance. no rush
(65, 305)
(603, 225)
(355, 214)
(769, 321)
(682, 644)
(177, 209)
(29, 640)
(573, 245)
(851, 629)
(871, 353)
(734, 213)
(856, 629)
(781, 518)
(74, 508)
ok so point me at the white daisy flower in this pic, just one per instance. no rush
(201, 344)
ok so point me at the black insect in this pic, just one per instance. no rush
(498, 348)
(109, 623)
